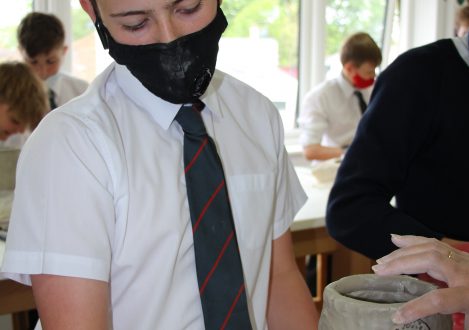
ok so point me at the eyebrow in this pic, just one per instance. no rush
(131, 13)
(143, 12)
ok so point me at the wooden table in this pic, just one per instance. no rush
(310, 238)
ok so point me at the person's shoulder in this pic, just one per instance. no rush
(229, 87)
(240, 99)
(323, 90)
(422, 56)
(90, 101)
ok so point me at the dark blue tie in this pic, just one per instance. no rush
(218, 263)
(361, 101)
(52, 102)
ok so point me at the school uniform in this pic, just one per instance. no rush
(330, 113)
(101, 194)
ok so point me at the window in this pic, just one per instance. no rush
(12, 12)
(344, 18)
(260, 47)
(89, 57)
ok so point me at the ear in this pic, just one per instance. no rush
(64, 50)
(88, 7)
(349, 70)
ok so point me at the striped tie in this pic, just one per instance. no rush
(218, 263)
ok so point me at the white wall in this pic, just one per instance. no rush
(424, 21)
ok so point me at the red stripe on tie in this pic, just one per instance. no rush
(222, 252)
(206, 206)
(204, 142)
(235, 301)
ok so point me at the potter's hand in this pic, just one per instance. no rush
(442, 262)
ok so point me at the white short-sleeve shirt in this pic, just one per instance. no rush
(330, 113)
(101, 194)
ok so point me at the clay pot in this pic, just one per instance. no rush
(368, 301)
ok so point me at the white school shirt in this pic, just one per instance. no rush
(65, 87)
(330, 113)
(101, 194)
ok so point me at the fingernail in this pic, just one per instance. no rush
(377, 267)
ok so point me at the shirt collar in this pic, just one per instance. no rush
(461, 44)
(346, 87)
(163, 112)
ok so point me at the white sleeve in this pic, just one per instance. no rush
(313, 119)
(63, 211)
(290, 196)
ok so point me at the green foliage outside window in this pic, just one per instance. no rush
(345, 17)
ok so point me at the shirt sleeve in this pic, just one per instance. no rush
(290, 196)
(313, 119)
(63, 215)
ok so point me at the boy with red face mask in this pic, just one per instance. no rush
(331, 111)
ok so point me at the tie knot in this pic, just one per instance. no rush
(190, 119)
(358, 93)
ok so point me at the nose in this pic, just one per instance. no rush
(41, 71)
(167, 31)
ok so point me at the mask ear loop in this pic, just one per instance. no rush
(100, 28)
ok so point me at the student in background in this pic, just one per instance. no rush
(462, 21)
(41, 39)
(23, 100)
(111, 242)
(331, 112)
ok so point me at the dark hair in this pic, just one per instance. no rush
(39, 33)
(360, 48)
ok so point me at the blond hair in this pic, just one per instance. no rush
(23, 92)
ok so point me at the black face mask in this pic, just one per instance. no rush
(179, 71)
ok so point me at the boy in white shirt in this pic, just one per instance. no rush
(41, 40)
(331, 111)
(109, 242)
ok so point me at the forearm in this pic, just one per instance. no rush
(290, 304)
(319, 152)
(69, 303)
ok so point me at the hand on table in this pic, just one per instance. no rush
(427, 255)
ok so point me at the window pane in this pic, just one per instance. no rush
(10, 14)
(260, 47)
(347, 17)
(89, 58)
